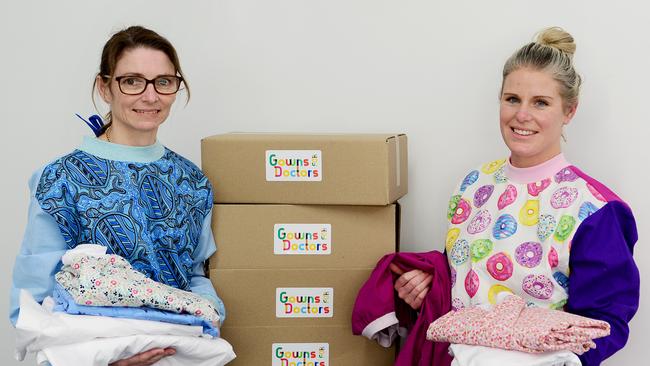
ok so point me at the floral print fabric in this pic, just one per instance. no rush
(513, 326)
(109, 280)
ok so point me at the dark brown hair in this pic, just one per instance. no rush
(128, 39)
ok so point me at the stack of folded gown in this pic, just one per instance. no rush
(510, 325)
(103, 311)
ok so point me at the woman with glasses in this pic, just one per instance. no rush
(124, 189)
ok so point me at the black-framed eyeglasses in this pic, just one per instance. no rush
(134, 85)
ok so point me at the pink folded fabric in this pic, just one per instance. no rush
(513, 326)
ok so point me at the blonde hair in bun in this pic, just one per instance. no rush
(558, 38)
(552, 52)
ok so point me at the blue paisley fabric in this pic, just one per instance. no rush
(149, 213)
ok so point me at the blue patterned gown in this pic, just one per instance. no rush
(146, 204)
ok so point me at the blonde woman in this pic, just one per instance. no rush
(534, 224)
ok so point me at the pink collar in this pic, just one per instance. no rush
(538, 172)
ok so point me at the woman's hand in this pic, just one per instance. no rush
(145, 358)
(412, 286)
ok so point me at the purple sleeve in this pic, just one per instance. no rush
(604, 280)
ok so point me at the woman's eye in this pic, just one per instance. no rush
(163, 81)
(132, 81)
(512, 100)
(541, 103)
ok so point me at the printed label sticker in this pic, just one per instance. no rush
(302, 239)
(303, 354)
(294, 166)
(304, 302)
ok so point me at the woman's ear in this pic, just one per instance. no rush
(571, 111)
(104, 89)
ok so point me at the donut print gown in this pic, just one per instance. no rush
(550, 234)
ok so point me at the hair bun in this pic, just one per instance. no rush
(557, 37)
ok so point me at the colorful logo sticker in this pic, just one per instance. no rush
(304, 302)
(307, 354)
(302, 239)
(294, 166)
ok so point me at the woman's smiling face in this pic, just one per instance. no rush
(532, 115)
(147, 111)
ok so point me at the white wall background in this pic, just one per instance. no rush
(430, 69)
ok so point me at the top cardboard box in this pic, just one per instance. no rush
(335, 169)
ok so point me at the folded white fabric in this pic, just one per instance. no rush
(81, 250)
(38, 327)
(102, 351)
(65, 339)
(466, 355)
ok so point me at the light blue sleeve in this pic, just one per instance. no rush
(40, 254)
(199, 284)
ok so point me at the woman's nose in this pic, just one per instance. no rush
(150, 94)
(522, 115)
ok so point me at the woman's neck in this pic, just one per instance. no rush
(536, 172)
(129, 137)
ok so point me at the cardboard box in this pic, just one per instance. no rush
(341, 169)
(322, 346)
(297, 236)
(287, 297)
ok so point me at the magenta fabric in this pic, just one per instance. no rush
(511, 325)
(605, 192)
(377, 298)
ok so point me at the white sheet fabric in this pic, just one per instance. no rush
(465, 355)
(80, 250)
(102, 351)
(65, 339)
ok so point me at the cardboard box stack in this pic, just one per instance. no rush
(300, 222)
